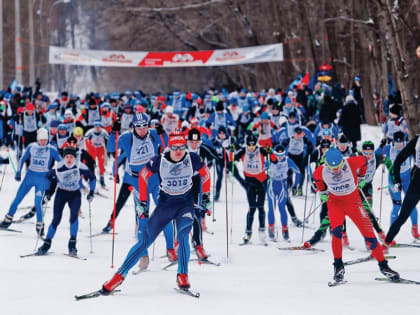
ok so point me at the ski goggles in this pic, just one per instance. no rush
(367, 153)
(280, 154)
(335, 167)
(177, 147)
(140, 124)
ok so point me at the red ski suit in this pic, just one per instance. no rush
(344, 199)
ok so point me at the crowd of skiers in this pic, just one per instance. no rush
(272, 142)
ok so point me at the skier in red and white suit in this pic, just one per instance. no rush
(339, 178)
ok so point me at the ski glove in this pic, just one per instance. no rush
(396, 188)
(89, 197)
(323, 197)
(205, 202)
(226, 143)
(294, 190)
(116, 126)
(142, 208)
(47, 198)
(362, 184)
(17, 176)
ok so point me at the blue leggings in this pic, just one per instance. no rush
(280, 195)
(396, 200)
(178, 208)
(32, 179)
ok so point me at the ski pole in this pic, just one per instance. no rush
(312, 212)
(386, 187)
(306, 198)
(115, 197)
(227, 214)
(271, 192)
(2, 178)
(90, 227)
(38, 236)
(367, 202)
(231, 201)
(11, 161)
(380, 199)
(214, 186)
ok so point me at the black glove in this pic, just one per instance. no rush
(159, 129)
(89, 197)
(47, 197)
(294, 190)
(116, 126)
(118, 179)
(383, 143)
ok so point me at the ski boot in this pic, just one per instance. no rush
(45, 247)
(415, 232)
(261, 234)
(297, 222)
(102, 181)
(112, 284)
(39, 227)
(201, 253)
(72, 246)
(144, 263)
(345, 239)
(108, 227)
(338, 270)
(182, 281)
(388, 272)
(30, 214)
(306, 245)
(247, 237)
(285, 232)
(271, 232)
(6, 221)
(172, 256)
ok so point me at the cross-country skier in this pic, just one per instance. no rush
(175, 169)
(98, 137)
(138, 147)
(253, 159)
(68, 180)
(201, 201)
(412, 195)
(339, 178)
(40, 155)
(391, 151)
(277, 192)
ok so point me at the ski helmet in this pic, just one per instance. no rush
(42, 134)
(399, 136)
(251, 140)
(333, 158)
(368, 145)
(177, 138)
(140, 120)
(194, 135)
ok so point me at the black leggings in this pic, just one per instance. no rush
(411, 199)
(256, 192)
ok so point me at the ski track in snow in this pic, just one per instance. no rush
(254, 280)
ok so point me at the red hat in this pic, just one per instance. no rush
(30, 106)
(177, 138)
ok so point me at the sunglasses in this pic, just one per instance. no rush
(367, 153)
(178, 148)
(140, 125)
(335, 167)
(279, 153)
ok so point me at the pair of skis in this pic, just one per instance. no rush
(49, 253)
(383, 279)
(102, 292)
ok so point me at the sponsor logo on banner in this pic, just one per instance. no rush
(117, 58)
(230, 55)
(175, 59)
(71, 57)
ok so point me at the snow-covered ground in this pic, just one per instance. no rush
(253, 280)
